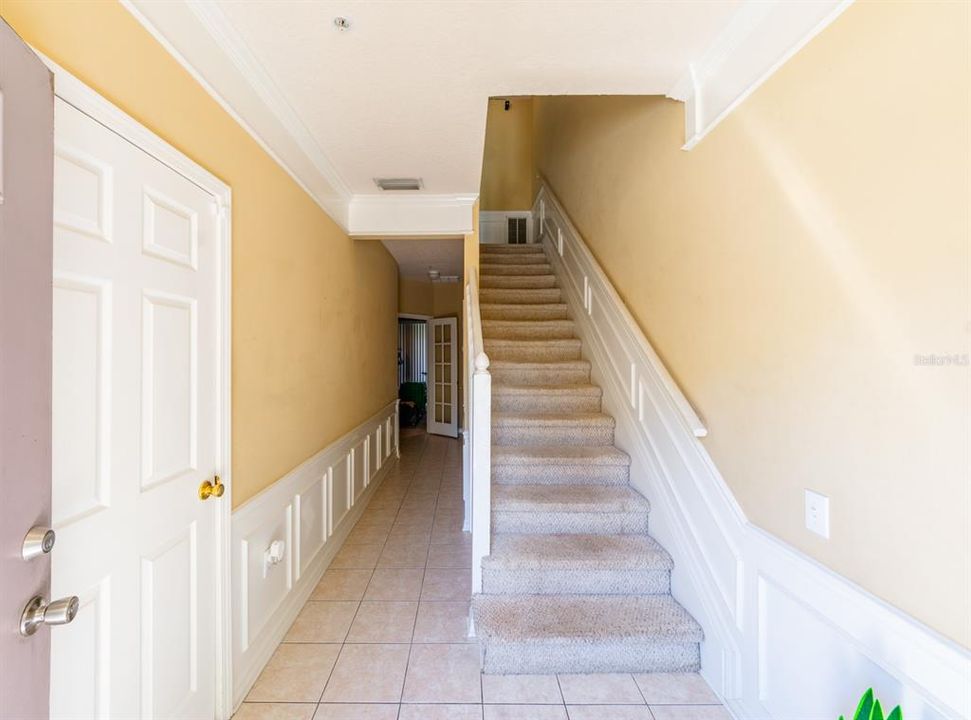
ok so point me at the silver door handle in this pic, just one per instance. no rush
(37, 613)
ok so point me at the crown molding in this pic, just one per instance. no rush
(761, 36)
(202, 40)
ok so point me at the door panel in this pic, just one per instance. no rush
(442, 377)
(26, 163)
(135, 362)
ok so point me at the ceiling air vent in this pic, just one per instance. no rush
(398, 183)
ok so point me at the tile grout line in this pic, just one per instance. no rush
(340, 652)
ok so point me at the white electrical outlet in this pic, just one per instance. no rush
(817, 513)
(273, 555)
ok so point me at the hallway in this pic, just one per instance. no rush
(383, 636)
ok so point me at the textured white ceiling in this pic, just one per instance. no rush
(404, 91)
(415, 257)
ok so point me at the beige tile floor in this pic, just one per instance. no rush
(384, 635)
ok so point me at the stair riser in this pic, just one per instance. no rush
(570, 523)
(529, 658)
(546, 404)
(491, 270)
(497, 581)
(546, 330)
(509, 248)
(518, 282)
(516, 376)
(514, 259)
(538, 352)
(524, 312)
(520, 435)
(560, 474)
(506, 296)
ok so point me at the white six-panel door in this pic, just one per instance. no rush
(134, 430)
(443, 399)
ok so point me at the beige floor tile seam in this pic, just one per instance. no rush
(411, 646)
(323, 690)
(434, 470)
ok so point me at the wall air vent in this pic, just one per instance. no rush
(516, 230)
(398, 183)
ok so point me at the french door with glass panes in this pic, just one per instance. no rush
(443, 377)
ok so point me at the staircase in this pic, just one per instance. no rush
(573, 584)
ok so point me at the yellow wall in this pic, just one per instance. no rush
(415, 296)
(788, 270)
(423, 297)
(314, 331)
(507, 160)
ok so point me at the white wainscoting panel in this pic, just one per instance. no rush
(310, 510)
(785, 637)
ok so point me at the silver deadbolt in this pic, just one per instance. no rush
(59, 612)
(38, 541)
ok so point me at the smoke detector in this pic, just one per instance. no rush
(398, 183)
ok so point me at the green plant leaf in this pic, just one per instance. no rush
(877, 712)
(896, 714)
(865, 707)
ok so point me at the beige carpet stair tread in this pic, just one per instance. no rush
(567, 498)
(532, 365)
(533, 311)
(517, 282)
(526, 296)
(506, 389)
(533, 258)
(564, 420)
(577, 552)
(572, 343)
(509, 249)
(511, 329)
(584, 618)
(489, 269)
(559, 455)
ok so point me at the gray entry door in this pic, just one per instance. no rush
(26, 230)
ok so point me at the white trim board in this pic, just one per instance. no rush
(197, 35)
(786, 637)
(311, 510)
(410, 215)
(759, 39)
(76, 93)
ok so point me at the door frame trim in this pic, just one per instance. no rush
(455, 361)
(74, 92)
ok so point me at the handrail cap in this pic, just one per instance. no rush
(481, 362)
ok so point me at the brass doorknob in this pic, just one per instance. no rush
(213, 488)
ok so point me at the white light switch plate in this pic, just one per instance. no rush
(817, 513)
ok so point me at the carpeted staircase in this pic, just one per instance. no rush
(574, 583)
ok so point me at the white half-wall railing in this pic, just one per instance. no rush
(479, 413)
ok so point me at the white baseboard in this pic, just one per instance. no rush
(311, 509)
(786, 638)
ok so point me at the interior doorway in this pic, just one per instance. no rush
(413, 370)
